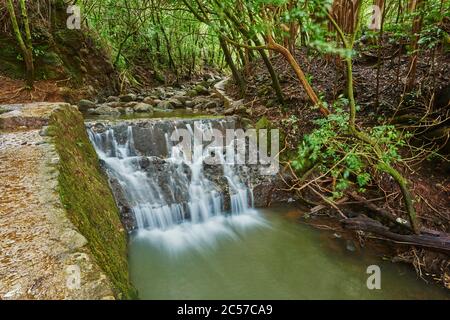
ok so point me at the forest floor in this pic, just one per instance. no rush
(429, 180)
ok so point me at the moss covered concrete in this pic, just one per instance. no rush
(88, 200)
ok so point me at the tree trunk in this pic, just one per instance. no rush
(25, 47)
(437, 241)
(299, 72)
(416, 5)
(236, 74)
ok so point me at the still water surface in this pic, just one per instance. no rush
(262, 255)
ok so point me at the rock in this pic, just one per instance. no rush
(143, 107)
(129, 111)
(165, 105)
(112, 99)
(160, 92)
(189, 104)
(84, 105)
(192, 93)
(201, 90)
(6, 108)
(44, 131)
(149, 100)
(99, 127)
(211, 105)
(182, 98)
(200, 101)
(350, 246)
(177, 104)
(114, 104)
(105, 110)
(130, 104)
(229, 111)
(128, 97)
(73, 240)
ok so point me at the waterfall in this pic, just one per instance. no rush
(162, 185)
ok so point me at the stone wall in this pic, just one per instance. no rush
(59, 214)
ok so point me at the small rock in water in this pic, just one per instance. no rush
(105, 110)
(350, 246)
(99, 128)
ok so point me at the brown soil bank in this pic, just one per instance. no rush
(69, 63)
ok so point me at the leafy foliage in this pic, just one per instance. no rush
(333, 152)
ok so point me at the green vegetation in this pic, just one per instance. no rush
(85, 193)
(331, 151)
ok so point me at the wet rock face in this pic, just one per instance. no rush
(151, 157)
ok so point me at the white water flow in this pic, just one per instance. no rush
(175, 202)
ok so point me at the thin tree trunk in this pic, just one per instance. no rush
(275, 82)
(299, 72)
(236, 74)
(379, 3)
(25, 47)
(417, 26)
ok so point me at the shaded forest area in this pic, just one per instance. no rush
(360, 89)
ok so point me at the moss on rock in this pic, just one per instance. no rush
(85, 194)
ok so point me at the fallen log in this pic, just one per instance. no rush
(438, 241)
(389, 216)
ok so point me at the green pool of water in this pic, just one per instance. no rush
(262, 256)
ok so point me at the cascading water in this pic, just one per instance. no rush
(172, 194)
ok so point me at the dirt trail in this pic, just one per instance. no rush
(40, 250)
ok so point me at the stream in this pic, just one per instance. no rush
(264, 256)
(194, 233)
